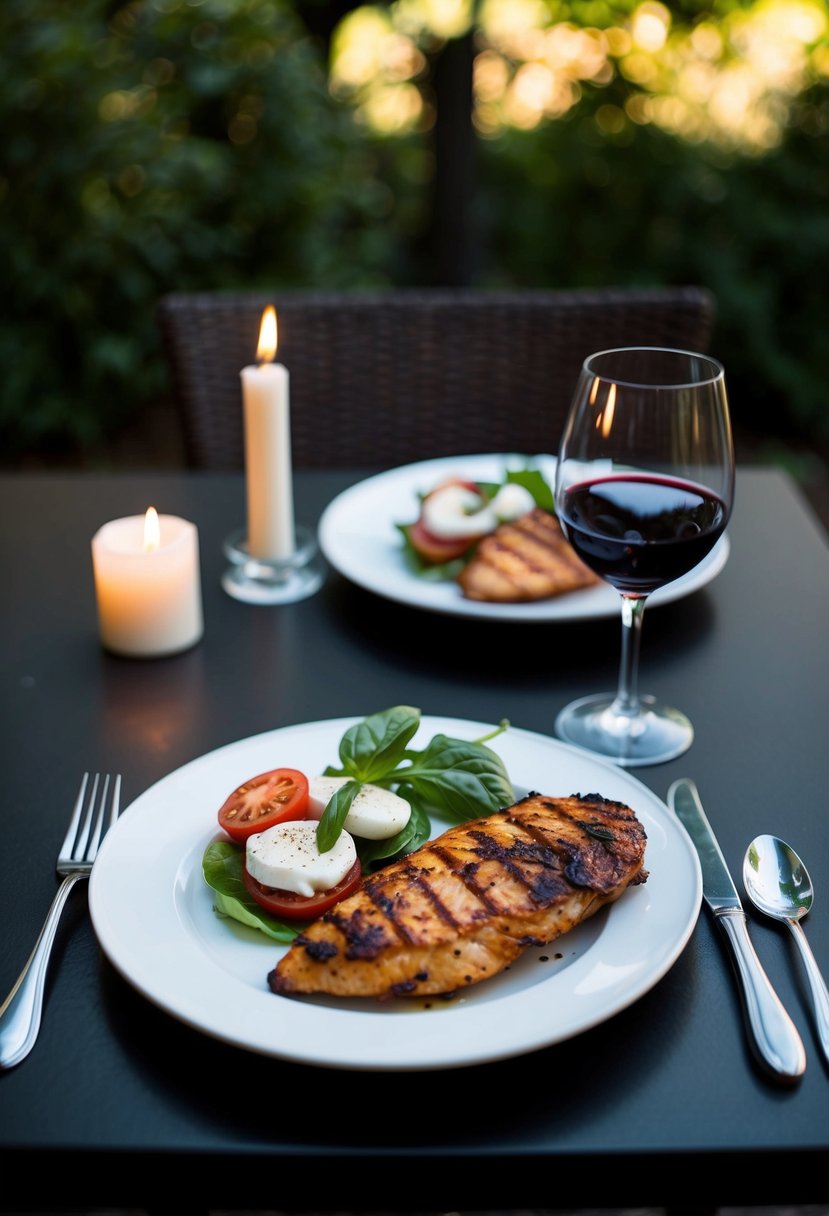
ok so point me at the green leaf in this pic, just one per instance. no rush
(534, 481)
(335, 814)
(488, 488)
(463, 780)
(374, 853)
(222, 870)
(436, 572)
(374, 747)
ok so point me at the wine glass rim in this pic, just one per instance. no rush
(717, 373)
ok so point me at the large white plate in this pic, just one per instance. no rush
(153, 915)
(359, 538)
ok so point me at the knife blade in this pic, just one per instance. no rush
(774, 1036)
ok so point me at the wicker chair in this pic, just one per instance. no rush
(382, 379)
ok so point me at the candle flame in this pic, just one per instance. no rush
(152, 530)
(266, 350)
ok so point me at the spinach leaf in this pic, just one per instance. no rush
(222, 870)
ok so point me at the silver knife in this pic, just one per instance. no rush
(775, 1038)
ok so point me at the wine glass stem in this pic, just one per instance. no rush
(627, 694)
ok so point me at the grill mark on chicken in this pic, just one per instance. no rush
(591, 862)
(387, 905)
(542, 887)
(526, 559)
(366, 937)
(442, 909)
(463, 907)
(467, 873)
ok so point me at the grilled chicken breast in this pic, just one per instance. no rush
(463, 906)
(527, 559)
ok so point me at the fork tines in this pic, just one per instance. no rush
(86, 828)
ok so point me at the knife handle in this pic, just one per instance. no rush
(775, 1035)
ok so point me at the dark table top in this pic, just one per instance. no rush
(638, 1110)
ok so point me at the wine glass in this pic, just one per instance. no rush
(644, 489)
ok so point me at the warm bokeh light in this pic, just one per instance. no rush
(440, 18)
(394, 108)
(650, 25)
(730, 82)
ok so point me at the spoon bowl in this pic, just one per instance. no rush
(776, 879)
(778, 884)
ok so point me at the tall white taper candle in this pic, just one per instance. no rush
(267, 425)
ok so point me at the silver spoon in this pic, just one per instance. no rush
(778, 884)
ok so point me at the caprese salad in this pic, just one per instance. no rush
(457, 513)
(294, 845)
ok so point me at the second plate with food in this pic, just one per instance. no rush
(360, 538)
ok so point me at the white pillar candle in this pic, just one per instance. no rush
(267, 426)
(147, 584)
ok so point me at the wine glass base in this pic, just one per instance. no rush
(656, 734)
(278, 581)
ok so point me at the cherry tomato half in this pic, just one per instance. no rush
(437, 548)
(257, 804)
(289, 906)
(456, 481)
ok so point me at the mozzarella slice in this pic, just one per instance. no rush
(457, 511)
(512, 501)
(375, 814)
(286, 857)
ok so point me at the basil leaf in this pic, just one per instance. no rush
(461, 779)
(534, 481)
(222, 870)
(372, 748)
(335, 814)
(598, 832)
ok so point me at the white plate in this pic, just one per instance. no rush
(153, 915)
(359, 538)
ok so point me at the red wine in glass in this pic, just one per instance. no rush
(640, 532)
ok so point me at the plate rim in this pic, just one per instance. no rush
(206, 975)
(400, 586)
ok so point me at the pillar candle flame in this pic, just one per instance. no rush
(152, 530)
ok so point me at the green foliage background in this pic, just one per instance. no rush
(100, 215)
(193, 144)
(588, 209)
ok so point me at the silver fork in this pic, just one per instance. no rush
(21, 1011)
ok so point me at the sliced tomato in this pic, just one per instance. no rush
(273, 797)
(456, 481)
(290, 906)
(437, 548)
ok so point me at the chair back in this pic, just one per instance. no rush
(379, 379)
